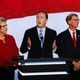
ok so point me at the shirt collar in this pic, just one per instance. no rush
(71, 32)
(41, 28)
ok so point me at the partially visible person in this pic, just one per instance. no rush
(8, 49)
(39, 40)
(68, 45)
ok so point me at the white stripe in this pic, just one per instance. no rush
(43, 73)
(43, 63)
(17, 26)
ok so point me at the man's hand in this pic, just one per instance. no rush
(54, 45)
(76, 65)
(29, 42)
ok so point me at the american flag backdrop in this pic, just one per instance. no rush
(21, 14)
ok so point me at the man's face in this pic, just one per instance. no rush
(73, 23)
(41, 20)
(3, 28)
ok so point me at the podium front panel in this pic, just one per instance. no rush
(43, 70)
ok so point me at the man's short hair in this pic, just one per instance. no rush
(69, 17)
(44, 13)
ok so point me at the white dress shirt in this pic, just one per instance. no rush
(43, 31)
(71, 33)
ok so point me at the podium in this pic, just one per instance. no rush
(43, 69)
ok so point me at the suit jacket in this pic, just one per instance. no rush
(65, 46)
(36, 51)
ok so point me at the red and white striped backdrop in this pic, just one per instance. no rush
(21, 14)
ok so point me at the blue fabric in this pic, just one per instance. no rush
(41, 37)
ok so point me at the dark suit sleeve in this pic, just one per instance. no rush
(55, 35)
(23, 47)
(60, 46)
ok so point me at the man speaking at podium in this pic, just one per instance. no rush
(39, 40)
(68, 45)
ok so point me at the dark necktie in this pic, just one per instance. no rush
(74, 40)
(41, 37)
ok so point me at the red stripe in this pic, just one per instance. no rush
(22, 8)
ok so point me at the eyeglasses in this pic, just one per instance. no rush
(76, 19)
(3, 25)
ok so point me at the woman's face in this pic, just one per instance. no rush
(3, 27)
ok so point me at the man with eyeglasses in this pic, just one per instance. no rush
(68, 45)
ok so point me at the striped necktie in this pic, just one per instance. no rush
(41, 37)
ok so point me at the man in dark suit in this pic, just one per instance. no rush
(39, 40)
(68, 45)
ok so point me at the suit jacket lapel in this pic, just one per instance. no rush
(46, 36)
(36, 35)
(78, 37)
(69, 38)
